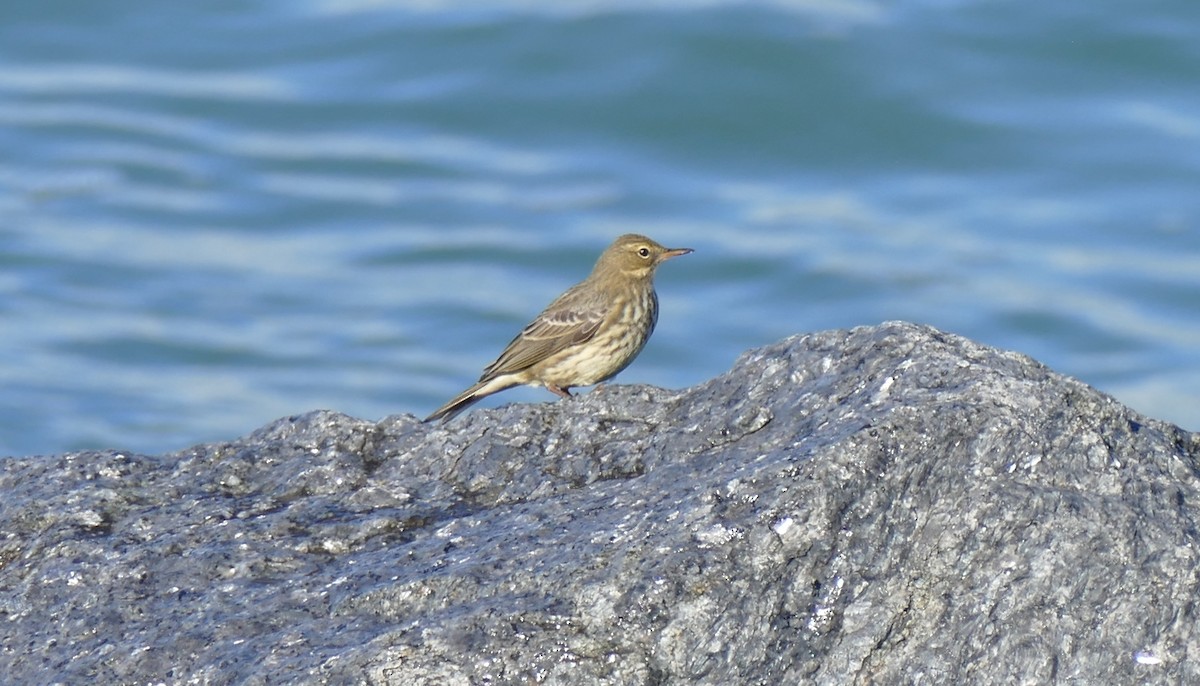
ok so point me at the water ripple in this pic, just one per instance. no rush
(78, 79)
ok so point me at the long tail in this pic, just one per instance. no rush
(469, 397)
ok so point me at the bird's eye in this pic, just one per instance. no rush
(644, 251)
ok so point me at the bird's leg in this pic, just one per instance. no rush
(560, 391)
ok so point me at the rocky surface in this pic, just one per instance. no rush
(885, 505)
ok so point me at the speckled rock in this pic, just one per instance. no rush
(884, 505)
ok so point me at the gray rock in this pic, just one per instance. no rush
(887, 505)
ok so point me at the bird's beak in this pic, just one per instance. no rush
(673, 252)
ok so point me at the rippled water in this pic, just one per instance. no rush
(215, 215)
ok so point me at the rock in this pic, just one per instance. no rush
(885, 505)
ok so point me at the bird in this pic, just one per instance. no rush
(585, 336)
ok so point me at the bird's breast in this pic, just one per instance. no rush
(618, 341)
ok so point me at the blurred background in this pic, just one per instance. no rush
(216, 214)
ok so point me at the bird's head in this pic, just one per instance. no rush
(635, 256)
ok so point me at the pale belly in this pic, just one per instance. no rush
(598, 360)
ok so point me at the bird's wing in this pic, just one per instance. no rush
(566, 322)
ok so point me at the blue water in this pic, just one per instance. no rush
(216, 214)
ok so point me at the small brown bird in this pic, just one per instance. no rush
(588, 335)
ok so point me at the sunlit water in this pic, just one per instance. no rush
(211, 217)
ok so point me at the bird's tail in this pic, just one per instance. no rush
(469, 397)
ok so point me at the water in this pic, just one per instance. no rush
(216, 214)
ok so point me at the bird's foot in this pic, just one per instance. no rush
(560, 391)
